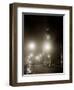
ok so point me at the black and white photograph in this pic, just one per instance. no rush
(40, 44)
(43, 44)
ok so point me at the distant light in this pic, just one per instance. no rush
(37, 58)
(31, 46)
(61, 61)
(47, 29)
(47, 46)
(31, 55)
(47, 37)
(40, 55)
(49, 64)
(49, 56)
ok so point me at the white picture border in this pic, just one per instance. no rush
(43, 77)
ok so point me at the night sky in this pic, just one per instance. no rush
(36, 27)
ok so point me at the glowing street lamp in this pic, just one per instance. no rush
(31, 46)
(47, 46)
